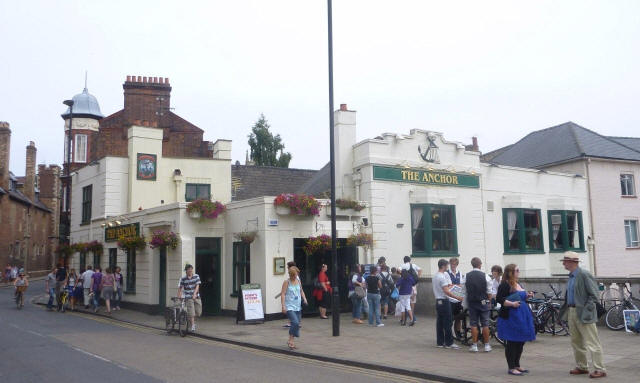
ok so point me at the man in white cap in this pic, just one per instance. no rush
(580, 308)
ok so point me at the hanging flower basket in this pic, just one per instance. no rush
(164, 238)
(246, 236)
(130, 243)
(205, 209)
(363, 239)
(299, 204)
(94, 246)
(64, 251)
(320, 243)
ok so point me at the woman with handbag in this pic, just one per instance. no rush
(356, 293)
(322, 292)
(292, 297)
(515, 321)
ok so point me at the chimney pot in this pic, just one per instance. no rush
(128, 78)
(155, 80)
(161, 80)
(343, 107)
(166, 80)
(139, 78)
(144, 79)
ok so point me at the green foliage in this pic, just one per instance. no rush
(265, 146)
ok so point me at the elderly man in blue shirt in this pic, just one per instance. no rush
(580, 308)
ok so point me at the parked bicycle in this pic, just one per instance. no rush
(615, 315)
(20, 296)
(464, 336)
(177, 315)
(546, 313)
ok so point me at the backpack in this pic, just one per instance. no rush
(413, 273)
(387, 287)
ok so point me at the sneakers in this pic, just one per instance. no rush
(473, 348)
(453, 346)
(380, 325)
(356, 321)
(193, 327)
(440, 346)
(487, 347)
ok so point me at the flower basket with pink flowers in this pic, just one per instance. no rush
(298, 204)
(206, 209)
(162, 238)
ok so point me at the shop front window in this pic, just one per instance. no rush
(566, 231)
(435, 235)
(522, 231)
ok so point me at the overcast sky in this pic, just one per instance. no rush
(494, 69)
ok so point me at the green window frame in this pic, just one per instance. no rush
(565, 229)
(96, 260)
(522, 231)
(241, 266)
(197, 191)
(83, 261)
(436, 236)
(131, 271)
(86, 203)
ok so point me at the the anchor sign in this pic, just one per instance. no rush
(431, 154)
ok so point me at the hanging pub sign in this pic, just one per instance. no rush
(250, 304)
(128, 231)
(425, 177)
(147, 166)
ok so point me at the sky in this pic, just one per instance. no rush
(497, 70)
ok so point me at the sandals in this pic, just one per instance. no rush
(291, 345)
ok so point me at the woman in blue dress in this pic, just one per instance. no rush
(515, 321)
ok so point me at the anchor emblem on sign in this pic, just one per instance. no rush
(431, 153)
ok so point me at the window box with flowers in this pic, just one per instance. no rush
(296, 204)
(347, 207)
(165, 239)
(204, 209)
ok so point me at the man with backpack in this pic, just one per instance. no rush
(385, 291)
(415, 272)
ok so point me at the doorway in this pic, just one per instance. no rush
(309, 266)
(208, 268)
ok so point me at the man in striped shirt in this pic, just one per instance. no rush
(189, 288)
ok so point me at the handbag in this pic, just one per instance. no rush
(359, 291)
(395, 294)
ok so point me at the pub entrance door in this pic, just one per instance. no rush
(208, 267)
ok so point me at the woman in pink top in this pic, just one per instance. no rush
(106, 286)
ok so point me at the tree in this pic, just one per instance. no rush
(265, 146)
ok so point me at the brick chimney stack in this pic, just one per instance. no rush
(5, 154)
(30, 172)
(146, 98)
(474, 144)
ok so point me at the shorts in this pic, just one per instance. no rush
(78, 292)
(384, 300)
(107, 292)
(194, 307)
(478, 313)
(414, 294)
(403, 304)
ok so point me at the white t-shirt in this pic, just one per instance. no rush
(494, 286)
(408, 265)
(86, 277)
(439, 281)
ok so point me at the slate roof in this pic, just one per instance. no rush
(320, 184)
(563, 143)
(18, 196)
(249, 181)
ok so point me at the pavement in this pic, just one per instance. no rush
(43, 346)
(411, 351)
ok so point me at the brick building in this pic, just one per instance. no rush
(28, 210)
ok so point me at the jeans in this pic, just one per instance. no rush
(117, 297)
(96, 299)
(444, 336)
(294, 317)
(357, 306)
(52, 294)
(374, 307)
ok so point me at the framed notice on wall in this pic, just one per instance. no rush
(250, 304)
(147, 166)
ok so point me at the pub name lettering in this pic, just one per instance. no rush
(410, 175)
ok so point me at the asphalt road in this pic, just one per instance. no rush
(41, 346)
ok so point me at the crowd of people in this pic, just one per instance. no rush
(10, 273)
(377, 291)
(68, 289)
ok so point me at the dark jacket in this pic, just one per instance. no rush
(504, 290)
(585, 296)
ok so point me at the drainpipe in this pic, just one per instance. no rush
(593, 230)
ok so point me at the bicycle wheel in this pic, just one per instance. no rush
(615, 317)
(18, 300)
(169, 319)
(552, 323)
(183, 323)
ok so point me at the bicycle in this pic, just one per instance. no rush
(546, 313)
(614, 319)
(464, 336)
(64, 297)
(20, 296)
(177, 314)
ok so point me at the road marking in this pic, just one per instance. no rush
(270, 354)
(36, 333)
(91, 354)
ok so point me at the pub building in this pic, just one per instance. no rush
(422, 195)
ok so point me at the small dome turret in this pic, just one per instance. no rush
(84, 105)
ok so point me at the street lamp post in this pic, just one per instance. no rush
(335, 297)
(67, 198)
